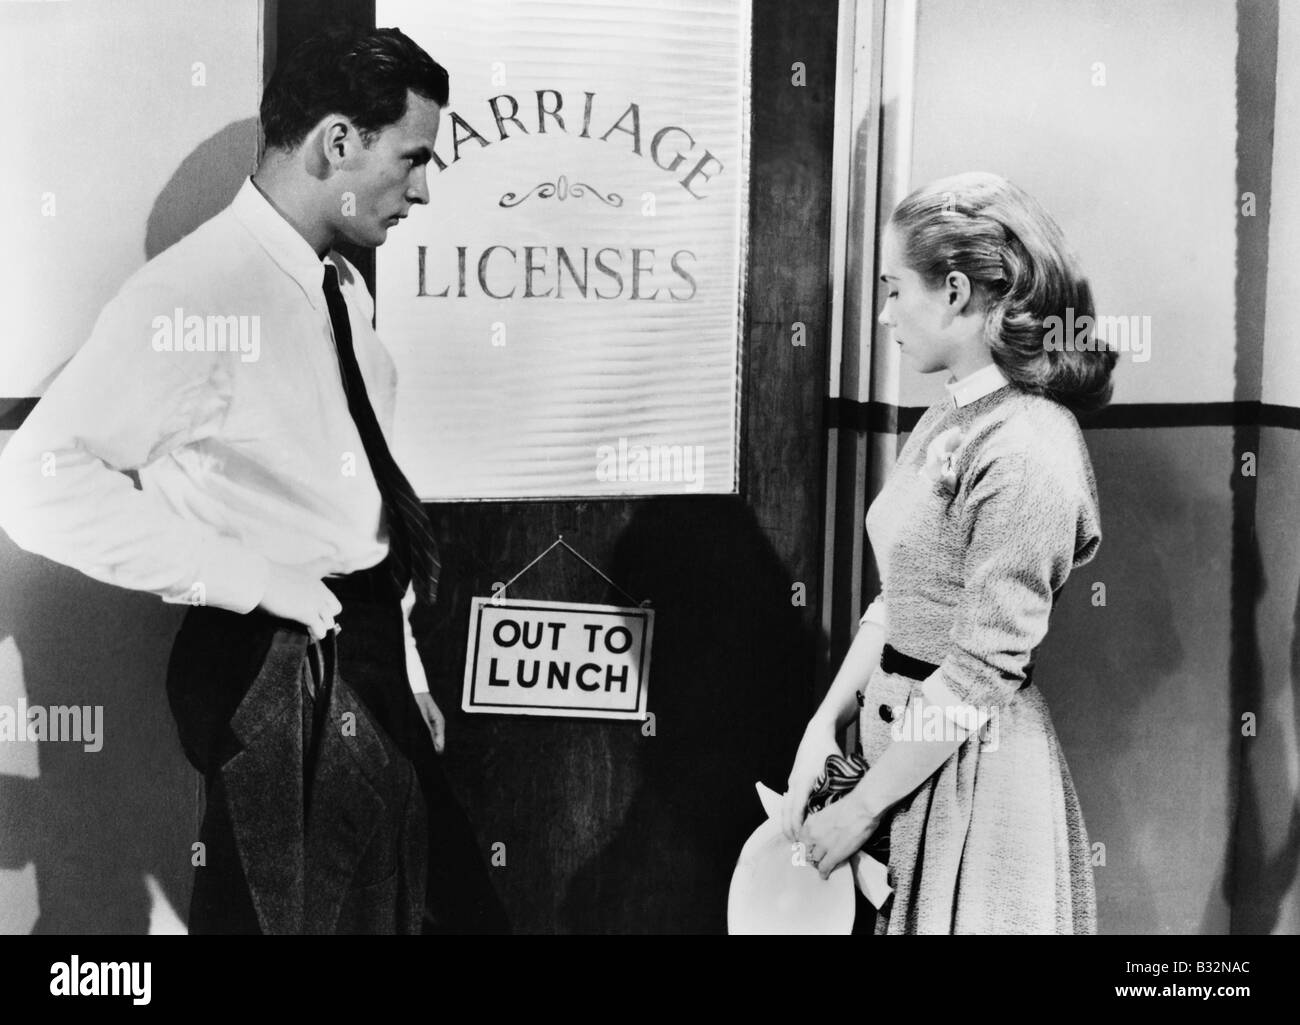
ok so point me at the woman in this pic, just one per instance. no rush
(991, 504)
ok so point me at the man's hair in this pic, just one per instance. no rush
(361, 73)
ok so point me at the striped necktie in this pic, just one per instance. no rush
(413, 552)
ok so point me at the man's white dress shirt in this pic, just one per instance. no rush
(246, 456)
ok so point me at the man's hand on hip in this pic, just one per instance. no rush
(300, 596)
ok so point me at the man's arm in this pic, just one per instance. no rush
(118, 405)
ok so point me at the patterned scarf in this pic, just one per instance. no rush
(840, 776)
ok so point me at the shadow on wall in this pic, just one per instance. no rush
(203, 185)
(729, 689)
(1258, 884)
(1102, 667)
(95, 824)
(1261, 881)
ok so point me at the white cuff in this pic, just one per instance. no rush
(875, 614)
(232, 577)
(414, 667)
(935, 690)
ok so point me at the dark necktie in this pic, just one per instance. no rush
(413, 552)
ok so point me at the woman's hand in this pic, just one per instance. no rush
(838, 830)
(809, 763)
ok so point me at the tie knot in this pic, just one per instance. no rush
(331, 279)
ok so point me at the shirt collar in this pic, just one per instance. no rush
(984, 381)
(281, 240)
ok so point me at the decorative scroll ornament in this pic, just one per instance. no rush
(561, 190)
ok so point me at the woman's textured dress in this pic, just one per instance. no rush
(993, 842)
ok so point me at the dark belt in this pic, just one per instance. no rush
(894, 661)
(374, 584)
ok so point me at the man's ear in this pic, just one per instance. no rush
(338, 139)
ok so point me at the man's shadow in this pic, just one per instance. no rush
(203, 185)
(96, 825)
(732, 685)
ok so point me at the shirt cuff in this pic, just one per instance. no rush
(414, 667)
(231, 576)
(875, 614)
(935, 690)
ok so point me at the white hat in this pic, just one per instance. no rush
(776, 891)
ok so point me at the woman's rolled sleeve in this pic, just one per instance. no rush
(875, 614)
(1019, 520)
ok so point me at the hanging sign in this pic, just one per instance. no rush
(557, 658)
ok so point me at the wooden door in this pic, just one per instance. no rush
(605, 828)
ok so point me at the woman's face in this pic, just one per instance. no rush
(917, 316)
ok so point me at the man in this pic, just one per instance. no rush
(239, 374)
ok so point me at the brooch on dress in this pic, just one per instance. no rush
(941, 459)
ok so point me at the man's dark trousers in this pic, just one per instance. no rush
(219, 662)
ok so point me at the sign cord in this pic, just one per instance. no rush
(560, 542)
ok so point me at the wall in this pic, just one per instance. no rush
(606, 829)
(1268, 833)
(1146, 691)
(113, 121)
(1143, 173)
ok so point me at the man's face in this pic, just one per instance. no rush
(387, 178)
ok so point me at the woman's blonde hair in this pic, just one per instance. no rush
(1023, 273)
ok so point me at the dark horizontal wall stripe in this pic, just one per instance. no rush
(884, 418)
(875, 417)
(1173, 414)
(1279, 416)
